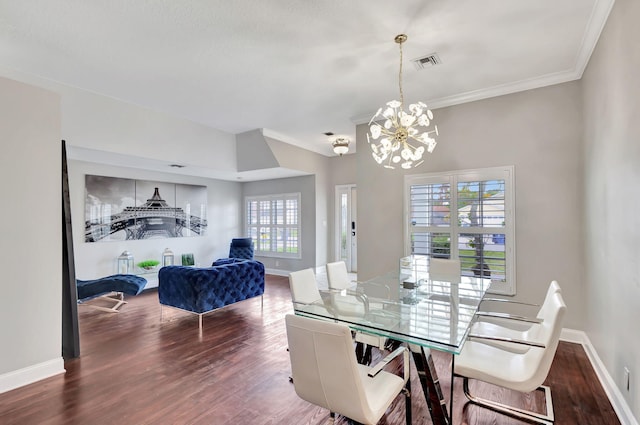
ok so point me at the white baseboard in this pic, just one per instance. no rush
(320, 270)
(277, 272)
(28, 375)
(618, 402)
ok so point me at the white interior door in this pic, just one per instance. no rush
(346, 229)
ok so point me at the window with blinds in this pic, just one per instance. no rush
(466, 215)
(273, 223)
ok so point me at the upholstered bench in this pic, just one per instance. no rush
(112, 288)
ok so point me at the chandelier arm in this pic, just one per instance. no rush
(386, 132)
(389, 163)
(417, 140)
(394, 119)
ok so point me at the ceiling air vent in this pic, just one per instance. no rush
(427, 61)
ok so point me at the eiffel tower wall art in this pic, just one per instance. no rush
(127, 209)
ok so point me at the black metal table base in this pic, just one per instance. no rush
(431, 386)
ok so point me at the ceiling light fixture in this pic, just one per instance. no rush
(403, 136)
(340, 145)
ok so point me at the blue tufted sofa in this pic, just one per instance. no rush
(201, 290)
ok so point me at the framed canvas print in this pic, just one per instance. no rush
(127, 209)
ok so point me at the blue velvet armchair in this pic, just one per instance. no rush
(241, 248)
(201, 290)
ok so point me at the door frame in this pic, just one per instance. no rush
(339, 190)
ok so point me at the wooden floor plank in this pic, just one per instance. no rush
(136, 370)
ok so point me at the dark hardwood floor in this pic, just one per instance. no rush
(136, 370)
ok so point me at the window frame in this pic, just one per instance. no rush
(273, 225)
(506, 173)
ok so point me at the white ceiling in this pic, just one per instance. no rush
(297, 68)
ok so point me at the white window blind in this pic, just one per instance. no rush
(273, 223)
(466, 215)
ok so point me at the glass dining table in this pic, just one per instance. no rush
(426, 312)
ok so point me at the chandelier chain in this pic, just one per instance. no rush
(400, 78)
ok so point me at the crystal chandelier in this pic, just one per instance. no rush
(404, 136)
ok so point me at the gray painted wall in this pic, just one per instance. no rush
(31, 243)
(93, 121)
(253, 153)
(612, 198)
(306, 185)
(97, 259)
(295, 158)
(40, 119)
(537, 131)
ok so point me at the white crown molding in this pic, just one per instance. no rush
(504, 89)
(597, 21)
(28, 375)
(486, 93)
(616, 398)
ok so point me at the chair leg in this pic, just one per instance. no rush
(359, 352)
(117, 297)
(392, 344)
(363, 353)
(407, 403)
(540, 418)
(366, 360)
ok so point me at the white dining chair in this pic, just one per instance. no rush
(523, 372)
(326, 373)
(505, 317)
(444, 269)
(338, 279)
(337, 275)
(304, 288)
(503, 336)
